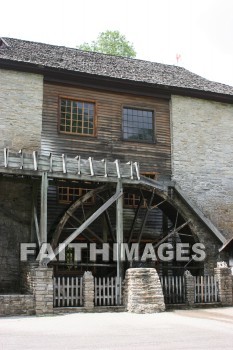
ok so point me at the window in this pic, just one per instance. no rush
(77, 117)
(131, 200)
(138, 124)
(70, 194)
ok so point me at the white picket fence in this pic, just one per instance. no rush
(67, 292)
(173, 289)
(206, 289)
(108, 292)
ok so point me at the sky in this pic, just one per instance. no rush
(200, 31)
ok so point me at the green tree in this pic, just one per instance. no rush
(111, 43)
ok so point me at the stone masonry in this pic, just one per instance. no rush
(142, 291)
(202, 153)
(224, 279)
(21, 96)
(88, 290)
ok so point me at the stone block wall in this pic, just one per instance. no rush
(224, 279)
(88, 290)
(21, 96)
(16, 304)
(202, 153)
(142, 291)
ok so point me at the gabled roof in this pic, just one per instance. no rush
(92, 63)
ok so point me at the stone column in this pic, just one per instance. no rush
(88, 290)
(224, 279)
(43, 290)
(189, 288)
(142, 291)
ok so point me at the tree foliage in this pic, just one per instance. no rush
(111, 43)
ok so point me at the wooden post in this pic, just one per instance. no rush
(119, 236)
(43, 208)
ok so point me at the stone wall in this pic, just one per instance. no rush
(16, 304)
(202, 153)
(15, 227)
(21, 96)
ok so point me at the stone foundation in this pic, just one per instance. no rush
(16, 304)
(142, 291)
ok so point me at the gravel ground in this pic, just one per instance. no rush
(188, 329)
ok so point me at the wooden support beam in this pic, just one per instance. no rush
(71, 210)
(90, 159)
(35, 224)
(64, 159)
(79, 230)
(105, 167)
(137, 170)
(50, 162)
(35, 157)
(145, 217)
(135, 219)
(108, 220)
(118, 168)
(6, 153)
(78, 158)
(21, 159)
(176, 230)
(74, 217)
(119, 235)
(43, 208)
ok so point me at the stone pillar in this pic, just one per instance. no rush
(189, 288)
(88, 290)
(142, 291)
(43, 290)
(224, 280)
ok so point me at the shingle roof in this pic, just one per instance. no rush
(74, 60)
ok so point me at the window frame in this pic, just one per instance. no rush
(75, 99)
(81, 191)
(142, 108)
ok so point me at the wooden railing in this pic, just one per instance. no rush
(106, 291)
(206, 289)
(67, 292)
(173, 289)
(52, 163)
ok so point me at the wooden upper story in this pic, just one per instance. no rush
(106, 124)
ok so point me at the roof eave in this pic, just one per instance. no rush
(66, 76)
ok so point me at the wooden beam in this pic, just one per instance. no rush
(43, 208)
(35, 224)
(145, 217)
(119, 235)
(171, 233)
(71, 210)
(199, 213)
(79, 230)
(135, 219)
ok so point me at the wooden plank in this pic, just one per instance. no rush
(43, 218)
(103, 288)
(119, 235)
(68, 291)
(63, 291)
(59, 291)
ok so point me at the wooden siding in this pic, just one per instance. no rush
(108, 143)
